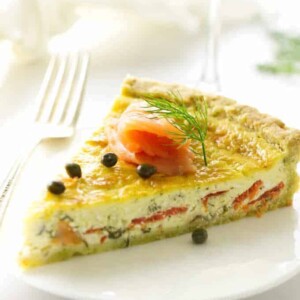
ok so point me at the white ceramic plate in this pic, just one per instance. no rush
(239, 259)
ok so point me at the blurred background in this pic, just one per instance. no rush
(258, 62)
(124, 32)
(163, 39)
(31, 28)
(258, 55)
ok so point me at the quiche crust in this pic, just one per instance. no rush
(252, 160)
(271, 129)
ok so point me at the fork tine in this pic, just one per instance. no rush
(78, 91)
(44, 89)
(63, 101)
(55, 90)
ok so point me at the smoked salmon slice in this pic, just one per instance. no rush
(137, 137)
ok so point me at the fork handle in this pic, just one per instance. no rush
(8, 183)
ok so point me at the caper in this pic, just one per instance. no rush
(109, 159)
(73, 170)
(56, 187)
(199, 236)
(145, 170)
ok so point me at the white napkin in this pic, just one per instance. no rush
(31, 24)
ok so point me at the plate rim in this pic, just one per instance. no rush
(251, 291)
(234, 296)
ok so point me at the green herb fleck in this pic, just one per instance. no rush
(287, 56)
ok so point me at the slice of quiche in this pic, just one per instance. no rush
(251, 168)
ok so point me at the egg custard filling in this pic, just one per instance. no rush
(251, 169)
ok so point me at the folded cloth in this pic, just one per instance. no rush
(30, 24)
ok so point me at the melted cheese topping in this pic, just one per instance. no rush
(232, 151)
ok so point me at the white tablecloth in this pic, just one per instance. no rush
(178, 58)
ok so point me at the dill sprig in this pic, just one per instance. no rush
(191, 126)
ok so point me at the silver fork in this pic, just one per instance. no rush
(58, 104)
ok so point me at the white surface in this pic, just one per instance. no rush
(238, 259)
(30, 25)
(177, 59)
